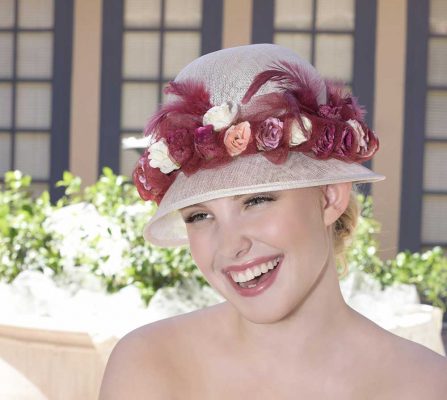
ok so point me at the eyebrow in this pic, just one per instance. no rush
(235, 197)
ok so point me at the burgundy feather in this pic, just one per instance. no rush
(263, 107)
(194, 101)
(338, 97)
(292, 80)
(193, 93)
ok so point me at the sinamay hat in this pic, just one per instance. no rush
(244, 120)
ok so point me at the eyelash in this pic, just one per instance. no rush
(255, 200)
(258, 199)
(195, 218)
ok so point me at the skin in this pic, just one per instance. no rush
(298, 339)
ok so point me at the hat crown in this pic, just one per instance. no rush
(228, 73)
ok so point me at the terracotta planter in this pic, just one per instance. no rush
(42, 364)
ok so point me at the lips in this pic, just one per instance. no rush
(256, 271)
(260, 282)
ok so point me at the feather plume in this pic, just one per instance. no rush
(263, 107)
(194, 101)
(293, 80)
(339, 97)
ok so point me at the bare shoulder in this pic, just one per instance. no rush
(415, 371)
(151, 359)
(136, 366)
(397, 368)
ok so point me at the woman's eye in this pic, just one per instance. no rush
(195, 218)
(258, 200)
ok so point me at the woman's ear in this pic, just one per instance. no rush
(335, 201)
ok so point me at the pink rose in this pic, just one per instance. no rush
(269, 134)
(206, 143)
(324, 145)
(237, 138)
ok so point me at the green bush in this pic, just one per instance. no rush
(427, 271)
(362, 254)
(26, 242)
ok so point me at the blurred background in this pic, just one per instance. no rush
(78, 81)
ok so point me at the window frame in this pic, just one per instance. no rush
(60, 81)
(415, 139)
(111, 75)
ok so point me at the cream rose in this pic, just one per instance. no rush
(359, 132)
(297, 136)
(159, 157)
(220, 116)
(237, 138)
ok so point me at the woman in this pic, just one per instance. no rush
(252, 162)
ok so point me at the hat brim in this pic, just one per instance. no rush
(245, 175)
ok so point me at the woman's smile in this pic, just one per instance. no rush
(253, 280)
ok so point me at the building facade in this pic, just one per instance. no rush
(78, 76)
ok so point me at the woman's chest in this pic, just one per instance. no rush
(226, 379)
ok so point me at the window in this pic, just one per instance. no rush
(146, 43)
(424, 195)
(35, 48)
(320, 31)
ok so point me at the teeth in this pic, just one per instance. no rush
(251, 273)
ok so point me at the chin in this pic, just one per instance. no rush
(265, 315)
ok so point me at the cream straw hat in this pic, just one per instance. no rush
(243, 120)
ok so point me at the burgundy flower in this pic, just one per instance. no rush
(329, 111)
(180, 144)
(151, 183)
(269, 134)
(348, 144)
(206, 143)
(324, 145)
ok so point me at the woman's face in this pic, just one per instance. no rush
(262, 252)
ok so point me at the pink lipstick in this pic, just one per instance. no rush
(257, 285)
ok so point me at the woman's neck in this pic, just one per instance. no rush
(310, 329)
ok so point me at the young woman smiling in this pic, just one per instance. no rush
(252, 163)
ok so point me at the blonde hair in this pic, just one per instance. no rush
(343, 231)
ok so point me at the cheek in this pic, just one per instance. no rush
(201, 253)
(302, 230)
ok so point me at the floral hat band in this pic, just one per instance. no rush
(190, 133)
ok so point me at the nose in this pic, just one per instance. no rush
(233, 239)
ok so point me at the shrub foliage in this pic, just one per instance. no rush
(26, 242)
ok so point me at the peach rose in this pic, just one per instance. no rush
(237, 138)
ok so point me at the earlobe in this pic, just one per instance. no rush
(336, 200)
